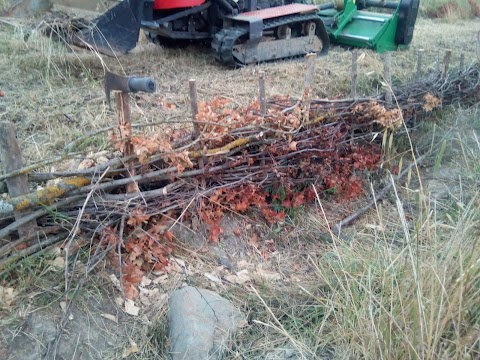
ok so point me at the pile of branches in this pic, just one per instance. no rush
(234, 159)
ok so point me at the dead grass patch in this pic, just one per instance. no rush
(449, 9)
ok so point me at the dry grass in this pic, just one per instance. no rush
(5, 4)
(450, 9)
(417, 301)
(405, 284)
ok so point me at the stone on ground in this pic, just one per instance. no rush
(200, 323)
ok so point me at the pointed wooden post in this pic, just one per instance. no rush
(446, 62)
(263, 97)
(125, 127)
(353, 90)
(308, 90)
(462, 61)
(387, 61)
(419, 63)
(192, 84)
(12, 159)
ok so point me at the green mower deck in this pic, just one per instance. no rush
(388, 30)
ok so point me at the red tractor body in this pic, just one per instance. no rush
(175, 4)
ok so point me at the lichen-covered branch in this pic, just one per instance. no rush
(44, 196)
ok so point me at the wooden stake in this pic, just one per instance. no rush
(310, 60)
(387, 69)
(263, 97)
(12, 159)
(307, 92)
(125, 125)
(192, 84)
(353, 91)
(419, 62)
(446, 62)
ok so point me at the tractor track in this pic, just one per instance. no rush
(225, 39)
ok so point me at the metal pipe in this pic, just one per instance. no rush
(381, 4)
(144, 84)
(327, 6)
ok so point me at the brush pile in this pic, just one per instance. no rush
(235, 159)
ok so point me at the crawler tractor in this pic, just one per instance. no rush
(245, 32)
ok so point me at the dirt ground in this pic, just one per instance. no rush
(54, 94)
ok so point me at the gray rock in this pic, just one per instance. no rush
(37, 331)
(86, 334)
(200, 322)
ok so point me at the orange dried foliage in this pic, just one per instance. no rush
(147, 245)
(137, 217)
(144, 146)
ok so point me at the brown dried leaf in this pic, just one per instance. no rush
(167, 105)
(213, 278)
(239, 278)
(265, 275)
(86, 164)
(431, 102)
(57, 264)
(7, 296)
(110, 317)
(131, 291)
(131, 308)
(132, 349)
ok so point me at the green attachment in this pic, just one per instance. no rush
(362, 28)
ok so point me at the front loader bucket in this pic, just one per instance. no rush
(115, 32)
